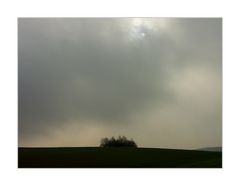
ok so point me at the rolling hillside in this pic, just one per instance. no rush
(96, 157)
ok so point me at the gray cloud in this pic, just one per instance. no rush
(103, 75)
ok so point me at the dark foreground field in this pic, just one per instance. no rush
(95, 157)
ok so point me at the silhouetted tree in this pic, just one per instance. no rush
(122, 141)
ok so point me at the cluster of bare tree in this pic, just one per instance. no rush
(121, 141)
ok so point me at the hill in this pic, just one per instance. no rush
(213, 149)
(97, 157)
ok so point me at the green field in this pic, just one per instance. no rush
(96, 157)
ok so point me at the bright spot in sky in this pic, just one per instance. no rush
(141, 27)
(137, 29)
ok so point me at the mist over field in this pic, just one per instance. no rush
(156, 80)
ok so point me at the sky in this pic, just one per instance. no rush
(155, 80)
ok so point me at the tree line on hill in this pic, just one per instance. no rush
(121, 141)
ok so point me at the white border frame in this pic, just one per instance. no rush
(11, 175)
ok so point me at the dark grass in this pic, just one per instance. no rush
(96, 157)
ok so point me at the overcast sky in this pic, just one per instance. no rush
(156, 80)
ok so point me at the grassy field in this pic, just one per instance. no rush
(95, 157)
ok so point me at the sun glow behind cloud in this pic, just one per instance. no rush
(141, 27)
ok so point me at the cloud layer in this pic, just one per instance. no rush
(155, 80)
